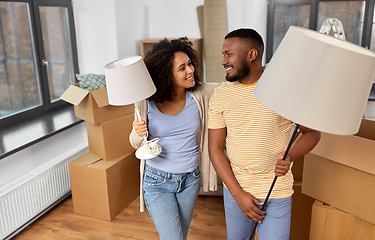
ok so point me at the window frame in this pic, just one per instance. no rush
(313, 21)
(41, 70)
(271, 19)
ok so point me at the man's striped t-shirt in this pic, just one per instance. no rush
(255, 137)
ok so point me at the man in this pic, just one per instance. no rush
(254, 139)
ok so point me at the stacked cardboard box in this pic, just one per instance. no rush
(93, 106)
(330, 223)
(105, 180)
(102, 189)
(110, 139)
(340, 171)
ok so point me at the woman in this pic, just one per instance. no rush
(177, 115)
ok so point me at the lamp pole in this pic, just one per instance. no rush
(275, 178)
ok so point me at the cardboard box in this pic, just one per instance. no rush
(110, 139)
(329, 223)
(102, 189)
(93, 106)
(340, 171)
(367, 129)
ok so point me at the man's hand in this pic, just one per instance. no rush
(282, 166)
(140, 127)
(303, 144)
(246, 202)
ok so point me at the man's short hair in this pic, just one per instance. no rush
(248, 34)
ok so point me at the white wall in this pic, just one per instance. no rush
(95, 24)
(112, 29)
(174, 18)
(132, 18)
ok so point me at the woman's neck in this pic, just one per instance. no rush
(180, 95)
(174, 106)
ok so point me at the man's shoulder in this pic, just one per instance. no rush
(226, 85)
(228, 89)
(224, 91)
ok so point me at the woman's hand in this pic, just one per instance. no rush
(140, 127)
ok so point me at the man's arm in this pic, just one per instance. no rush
(303, 145)
(245, 201)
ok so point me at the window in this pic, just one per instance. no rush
(288, 15)
(372, 48)
(356, 16)
(372, 43)
(38, 57)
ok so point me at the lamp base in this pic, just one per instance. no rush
(149, 149)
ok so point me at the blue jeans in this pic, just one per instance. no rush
(170, 199)
(275, 225)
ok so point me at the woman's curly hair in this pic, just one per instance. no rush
(159, 62)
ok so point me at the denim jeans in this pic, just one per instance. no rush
(274, 226)
(170, 199)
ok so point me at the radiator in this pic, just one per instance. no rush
(25, 199)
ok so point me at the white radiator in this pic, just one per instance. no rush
(26, 198)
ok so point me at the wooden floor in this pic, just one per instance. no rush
(62, 223)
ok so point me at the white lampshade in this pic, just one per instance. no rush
(128, 81)
(318, 81)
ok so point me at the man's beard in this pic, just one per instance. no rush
(243, 71)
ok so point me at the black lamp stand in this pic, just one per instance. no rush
(274, 180)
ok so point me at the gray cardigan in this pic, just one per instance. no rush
(208, 175)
